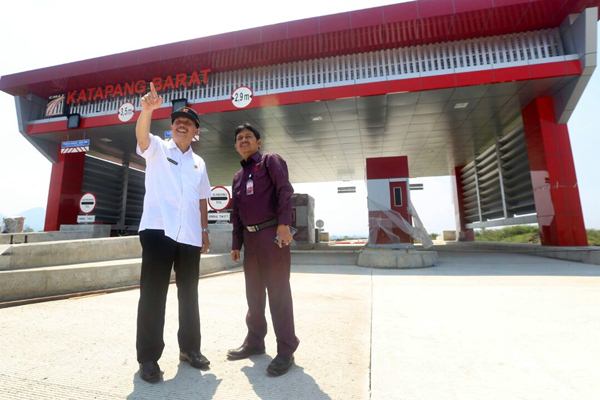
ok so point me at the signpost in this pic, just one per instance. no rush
(219, 216)
(346, 189)
(86, 219)
(87, 204)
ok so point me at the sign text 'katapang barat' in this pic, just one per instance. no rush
(131, 88)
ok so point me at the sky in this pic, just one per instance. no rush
(37, 34)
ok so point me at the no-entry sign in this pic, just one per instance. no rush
(87, 203)
(219, 198)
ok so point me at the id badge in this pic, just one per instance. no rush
(249, 187)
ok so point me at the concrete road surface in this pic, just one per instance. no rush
(477, 326)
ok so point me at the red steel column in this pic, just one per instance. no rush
(555, 189)
(464, 234)
(65, 191)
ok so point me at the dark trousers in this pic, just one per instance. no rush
(267, 267)
(159, 254)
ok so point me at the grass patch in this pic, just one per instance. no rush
(593, 237)
(524, 234)
(511, 234)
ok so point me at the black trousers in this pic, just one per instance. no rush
(267, 270)
(159, 254)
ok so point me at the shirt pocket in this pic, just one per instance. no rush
(261, 179)
(237, 189)
(193, 182)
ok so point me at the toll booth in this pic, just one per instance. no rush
(303, 217)
(388, 200)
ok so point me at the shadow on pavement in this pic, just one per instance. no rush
(296, 384)
(188, 383)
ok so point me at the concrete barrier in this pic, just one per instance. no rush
(67, 232)
(59, 280)
(36, 270)
(220, 238)
(34, 255)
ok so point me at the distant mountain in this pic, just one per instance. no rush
(34, 217)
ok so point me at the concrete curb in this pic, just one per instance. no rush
(587, 254)
(391, 258)
(33, 255)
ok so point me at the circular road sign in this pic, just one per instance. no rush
(320, 223)
(241, 97)
(87, 203)
(126, 112)
(219, 198)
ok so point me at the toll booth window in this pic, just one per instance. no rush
(398, 197)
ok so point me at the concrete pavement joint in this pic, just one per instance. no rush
(371, 337)
(18, 387)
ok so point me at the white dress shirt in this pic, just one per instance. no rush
(175, 183)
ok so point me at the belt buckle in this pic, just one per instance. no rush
(252, 228)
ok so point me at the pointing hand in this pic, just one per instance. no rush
(151, 101)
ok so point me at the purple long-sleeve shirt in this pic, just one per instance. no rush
(272, 196)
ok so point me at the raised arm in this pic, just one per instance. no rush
(149, 102)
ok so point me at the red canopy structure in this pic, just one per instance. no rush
(480, 89)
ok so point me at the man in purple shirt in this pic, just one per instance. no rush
(262, 214)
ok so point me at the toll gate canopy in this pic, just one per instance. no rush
(481, 90)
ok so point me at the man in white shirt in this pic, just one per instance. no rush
(173, 233)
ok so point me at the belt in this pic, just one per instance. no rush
(262, 225)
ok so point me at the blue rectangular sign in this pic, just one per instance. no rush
(75, 143)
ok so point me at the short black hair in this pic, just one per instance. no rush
(246, 126)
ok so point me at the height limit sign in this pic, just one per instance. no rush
(242, 97)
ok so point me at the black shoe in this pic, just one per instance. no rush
(280, 365)
(150, 371)
(196, 359)
(243, 352)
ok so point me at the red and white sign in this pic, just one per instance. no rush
(126, 112)
(219, 198)
(87, 203)
(242, 97)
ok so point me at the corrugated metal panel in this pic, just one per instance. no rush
(497, 184)
(106, 181)
(376, 66)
